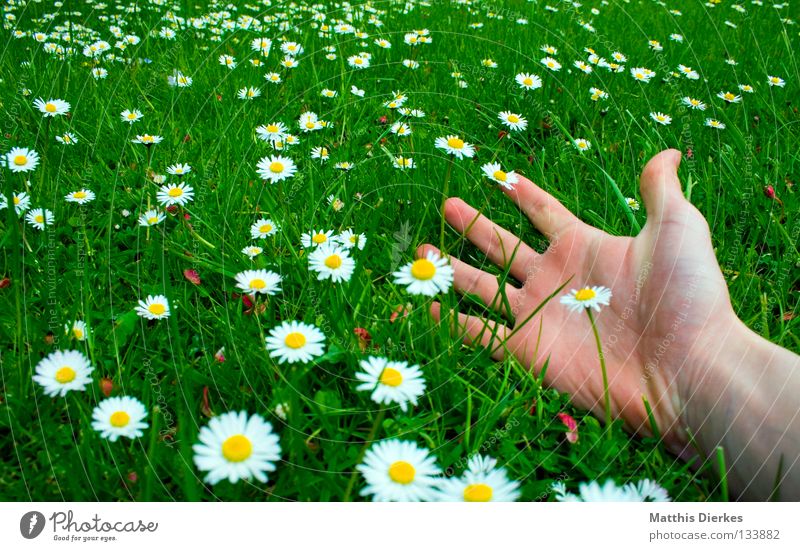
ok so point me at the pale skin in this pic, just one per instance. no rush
(669, 335)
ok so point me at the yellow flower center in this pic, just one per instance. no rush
(729, 96)
(257, 284)
(78, 333)
(402, 472)
(295, 340)
(334, 261)
(20, 160)
(152, 220)
(175, 192)
(50, 107)
(478, 492)
(358, 61)
(266, 228)
(319, 238)
(585, 294)
(119, 419)
(272, 128)
(79, 195)
(310, 124)
(276, 167)
(513, 118)
(324, 152)
(39, 218)
(391, 377)
(157, 308)
(500, 175)
(16, 200)
(65, 375)
(527, 81)
(455, 143)
(423, 269)
(237, 448)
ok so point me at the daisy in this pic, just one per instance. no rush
(248, 93)
(455, 146)
(179, 169)
(426, 276)
(262, 228)
(99, 73)
(52, 107)
(401, 129)
(67, 138)
(642, 74)
(328, 93)
(395, 470)
(714, 123)
(154, 307)
(151, 218)
(483, 481)
(688, 72)
(358, 62)
(692, 103)
(273, 78)
(512, 120)
(729, 97)
(320, 153)
(315, 238)
(62, 371)
(147, 139)
(344, 165)
(495, 173)
(776, 81)
(272, 132)
(403, 162)
(349, 239)
(549, 50)
(583, 67)
(295, 341)
(391, 382)
(227, 61)
(582, 145)
(587, 297)
(276, 168)
(594, 492)
(746, 88)
(261, 45)
(39, 218)
(119, 416)
(661, 118)
(22, 201)
(81, 196)
(236, 446)
(632, 203)
(21, 159)
(262, 282)
(175, 194)
(131, 116)
(78, 330)
(356, 91)
(331, 262)
(252, 251)
(597, 93)
(292, 48)
(410, 64)
(550, 63)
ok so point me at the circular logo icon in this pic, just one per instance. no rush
(31, 524)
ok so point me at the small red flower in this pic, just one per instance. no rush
(192, 276)
(364, 338)
(399, 311)
(502, 134)
(205, 408)
(572, 427)
(383, 120)
(5, 282)
(133, 478)
(106, 386)
(769, 191)
(220, 355)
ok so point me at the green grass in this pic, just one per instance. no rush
(94, 263)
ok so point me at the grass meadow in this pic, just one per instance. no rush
(450, 68)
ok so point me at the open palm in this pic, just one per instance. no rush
(666, 285)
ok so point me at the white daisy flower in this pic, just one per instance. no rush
(400, 129)
(252, 251)
(729, 97)
(714, 123)
(151, 218)
(426, 276)
(67, 138)
(51, 107)
(78, 330)
(349, 239)
(403, 163)
(119, 416)
(262, 282)
(609, 492)
(272, 132)
(81, 196)
(632, 203)
(587, 297)
(396, 470)
(175, 194)
(21, 159)
(273, 78)
(179, 169)
(276, 168)
(550, 63)
(512, 120)
(39, 218)
(661, 118)
(776, 81)
(295, 341)
(248, 93)
(483, 481)
(147, 139)
(506, 180)
(320, 153)
(235, 446)
(391, 382)
(528, 81)
(692, 103)
(455, 146)
(263, 228)
(62, 371)
(331, 262)
(315, 238)
(581, 144)
(22, 202)
(154, 307)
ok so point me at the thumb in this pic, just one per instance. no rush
(660, 186)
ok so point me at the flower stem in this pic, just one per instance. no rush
(372, 432)
(603, 370)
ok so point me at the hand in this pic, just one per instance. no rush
(670, 304)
